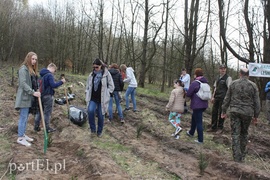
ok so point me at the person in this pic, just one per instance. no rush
(24, 96)
(99, 86)
(118, 86)
(197, 105)
(47, 96)
(221, 86)
(34, 109)
(243, 99)
(267, 102)
(176, 106)
(132, 85)
(185, 78)
(123, 74)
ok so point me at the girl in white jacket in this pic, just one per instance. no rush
(132, 85)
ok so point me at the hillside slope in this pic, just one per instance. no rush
(142, 148)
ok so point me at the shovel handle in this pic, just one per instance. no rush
(42, 114)
(43, 123)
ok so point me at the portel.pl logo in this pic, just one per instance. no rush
(39, 165)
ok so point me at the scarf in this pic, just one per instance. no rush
(97, 79)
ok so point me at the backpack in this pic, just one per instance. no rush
(77, 115)
(43, 91)
(204, 92)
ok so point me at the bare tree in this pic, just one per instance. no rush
(165, 46)
(266, 40)
(131, 56)
(109, 39)
(191, 38)
(223, 31)
(249, 43)
(147, 58)
(8, 28)
(101, 29)
(266, 31)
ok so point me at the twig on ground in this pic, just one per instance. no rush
(6, 170)
(264, 164)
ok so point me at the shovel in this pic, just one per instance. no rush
(44, 126)
(67, 100)
(65, 89)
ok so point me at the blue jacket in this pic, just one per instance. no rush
(49, 80)
(196, 102)
(267, 86)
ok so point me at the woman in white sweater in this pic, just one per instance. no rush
(176, 106)
(132, 85)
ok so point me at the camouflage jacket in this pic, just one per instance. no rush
(242, 97)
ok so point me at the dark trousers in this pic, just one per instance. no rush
(47, 104)
(217, 121)
(197, 123)
(185, 107)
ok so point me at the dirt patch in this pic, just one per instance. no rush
(142, 148)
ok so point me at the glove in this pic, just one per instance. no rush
(111, 94)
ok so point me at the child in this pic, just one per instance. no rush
(47, 96)
(132, 85)
(118, 86)
(176, 106)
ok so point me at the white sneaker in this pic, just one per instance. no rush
(198, 141)
(176, 137)
(178, 129)
(28, 138)
(22, 141)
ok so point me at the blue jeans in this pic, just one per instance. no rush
(47, 105)
(93, 108)
(118, 106)
(131, 91)
(24, 112)
(197, 122)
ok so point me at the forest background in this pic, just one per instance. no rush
(156, 38)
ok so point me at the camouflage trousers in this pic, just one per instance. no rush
(239, 126)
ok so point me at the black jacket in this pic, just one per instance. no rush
(221, 87)
(117, 79)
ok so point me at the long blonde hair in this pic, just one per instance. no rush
(28, 63)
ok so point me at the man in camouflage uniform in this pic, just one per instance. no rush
(243, 99)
